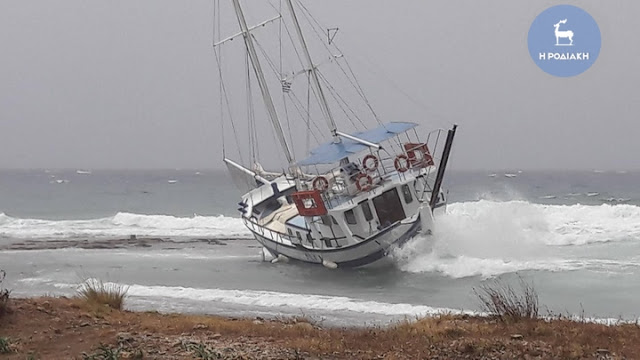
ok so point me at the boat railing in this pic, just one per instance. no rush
(270, 234)
(409, 156)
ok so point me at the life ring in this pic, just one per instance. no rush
(320, 183)
(367, 161)
(401, 163)
(364, 182)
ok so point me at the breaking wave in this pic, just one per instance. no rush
(523, 222)
(489, 238)
(123, 225)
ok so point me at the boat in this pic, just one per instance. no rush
(355, 197)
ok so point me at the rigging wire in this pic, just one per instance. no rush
(336, 95)
(382, 74)
(300, 110)
(298, 104)
(281, 77)
(216, 26)
(224, 96)
(253, 141)
(350, 75)
(307, 143)
(273, 67)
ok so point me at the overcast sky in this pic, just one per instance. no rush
(131, 84)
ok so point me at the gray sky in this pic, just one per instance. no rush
(131, 84)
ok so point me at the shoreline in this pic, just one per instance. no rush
(65, 328)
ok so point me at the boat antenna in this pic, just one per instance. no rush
(314, 76)
(262, 82)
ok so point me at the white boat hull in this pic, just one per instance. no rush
(364, 253)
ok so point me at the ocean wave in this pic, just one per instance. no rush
(489, 238)
(123, 225)
(549, 224)
(466, 266)
(273, 299)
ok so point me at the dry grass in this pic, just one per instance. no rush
(507, 303)
(445, 336)
(4, 295)
(97, 292)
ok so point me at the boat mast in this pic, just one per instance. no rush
(262, 82)
(314, 76)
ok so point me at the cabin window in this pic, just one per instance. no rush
(309, 238)
(333, 220)
(299, 236)
(406, 191)
(290, 232)
(366, 209)
(350, 217)
(325, 220)
(389, 208)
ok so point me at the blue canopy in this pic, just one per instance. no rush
(331, 152)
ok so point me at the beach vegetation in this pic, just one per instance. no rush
(104, 352)
(202, 351)
(507, 302)
(97, 292)
(5, 345)
(4, 295)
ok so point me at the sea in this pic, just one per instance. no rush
(175, 240)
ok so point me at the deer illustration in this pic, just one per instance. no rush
(567, 34)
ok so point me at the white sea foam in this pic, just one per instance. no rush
(549, 224)
(124, 224)
(273, 299)
(464, 266)
(488, 238)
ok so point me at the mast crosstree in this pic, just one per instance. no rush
(262, 82)
(314, 76)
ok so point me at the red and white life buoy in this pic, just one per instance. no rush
(370, 163)
(364, 182)
(320, 183)
(401, 163)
